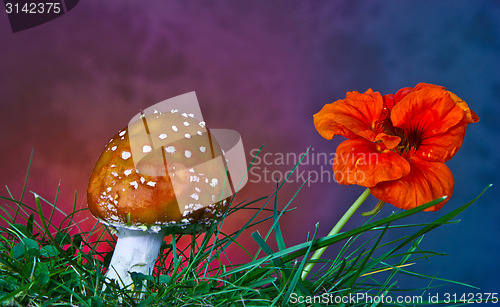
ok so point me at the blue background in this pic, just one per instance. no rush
(262, 68)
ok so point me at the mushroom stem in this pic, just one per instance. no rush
(135, 251)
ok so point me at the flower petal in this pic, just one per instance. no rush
(390, 100)
(442, 147)
(425, 182)
(356, 115)
(402, 94)
(446, 113)
(326, 125)
(423, 85)
(388, 104)
(469, 114)
(390, 141)
(360, 162)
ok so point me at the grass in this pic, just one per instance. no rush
(47, 264)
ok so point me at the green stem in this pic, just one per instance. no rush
(375, 210)
(317, 254)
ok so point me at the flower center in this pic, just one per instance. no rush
(410, 140)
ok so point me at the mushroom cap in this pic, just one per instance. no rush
(165, 170)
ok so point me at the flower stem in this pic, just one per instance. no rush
(343, 220)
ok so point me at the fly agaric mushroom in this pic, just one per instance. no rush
(163, 173)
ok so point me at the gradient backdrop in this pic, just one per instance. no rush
(262, 68)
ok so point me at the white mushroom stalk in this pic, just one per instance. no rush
(135, 251)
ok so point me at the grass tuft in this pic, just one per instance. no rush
(44, 263)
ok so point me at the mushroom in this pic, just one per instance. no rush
(164, 173)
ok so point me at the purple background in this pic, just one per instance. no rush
(262, 68)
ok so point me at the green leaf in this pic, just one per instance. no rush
(96, 301)
(137, 276)
(18, 250)
(41, 268)
(164, 279)
(277, 230)
(26, 246)
(201, 288)
(77, 239)
(31, 247)
(49, 251)
(43, 279)
(29, 224)
(62, 238)
(148, 301)
(30, 244)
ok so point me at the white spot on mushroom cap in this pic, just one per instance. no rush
(170, 149)
(187, 154)
(134, 184)
(174, 111)
(163, 136)
(203, 148)
(108, 190)
(114, 218)
(151, 183)
(195, 196)
(199, 132)
(126, 155)
(114, 174)
(187, 136)
(214, 182)
(155, 229)
(146, 148)
(114, 148)
(175, 128)
(202, 124)
(122, 133)
(127, 172)
(186, 124)
(143, 180)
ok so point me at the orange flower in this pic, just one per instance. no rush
(397, 144)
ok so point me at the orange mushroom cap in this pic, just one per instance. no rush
(162, 171)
